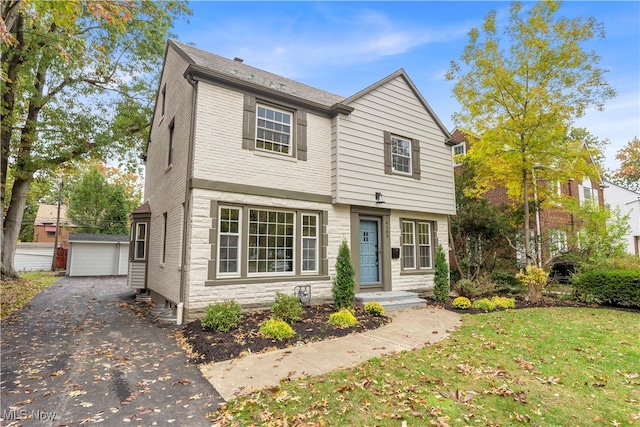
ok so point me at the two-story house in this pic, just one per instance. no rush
(552, 225)
(253, 180)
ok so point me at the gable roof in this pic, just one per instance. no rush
(48, 214)
(401, 73)
(221, 67)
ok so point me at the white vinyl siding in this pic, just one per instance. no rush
(359, 158)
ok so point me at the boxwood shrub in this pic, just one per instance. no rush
(615, 287)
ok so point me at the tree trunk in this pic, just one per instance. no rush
(11, 225)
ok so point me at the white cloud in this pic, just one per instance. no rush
(294, 47)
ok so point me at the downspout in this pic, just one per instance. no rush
(187, 203)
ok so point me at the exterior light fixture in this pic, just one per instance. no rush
(379, 197)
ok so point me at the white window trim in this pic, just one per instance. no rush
(290, 124)
(317, 243)
(417, 268)
(413, 244)
(138, 239)
(238, 234)
(453, 151)
(429, 245)
(393, 168)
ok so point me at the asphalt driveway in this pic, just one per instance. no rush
(84, 351)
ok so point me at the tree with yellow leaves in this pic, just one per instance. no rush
(521, 89)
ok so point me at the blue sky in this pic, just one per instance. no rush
(343, 47)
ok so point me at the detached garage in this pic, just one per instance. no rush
(98, 255)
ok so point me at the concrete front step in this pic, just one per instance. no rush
(393, 300)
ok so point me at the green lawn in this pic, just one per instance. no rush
(549, 367)
(14, 294)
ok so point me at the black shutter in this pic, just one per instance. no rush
(249, 123)
(388, 168)
(301, 135)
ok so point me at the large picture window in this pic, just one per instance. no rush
(253, 242)
(271, 237)
(273, 131)
(417, 247)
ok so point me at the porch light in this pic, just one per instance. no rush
(379, 197)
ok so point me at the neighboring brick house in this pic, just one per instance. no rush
(551, 226)
(44, 228)
(253, 180)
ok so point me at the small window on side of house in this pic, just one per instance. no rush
(141, 241)
(170, 153)
(163, 98)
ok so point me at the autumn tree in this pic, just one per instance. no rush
(520, 89)
(628, 175)
(79, 79)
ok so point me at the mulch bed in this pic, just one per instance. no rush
(213, 346)
(209, 346)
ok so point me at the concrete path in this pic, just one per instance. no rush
(409, 329)
(84, 351)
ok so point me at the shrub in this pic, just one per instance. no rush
(344, 284)
(482, 286)
(374, 308)
(287, 308)
(222, 316)
(441, 286)
(506, 282)
(276, 329)
(464, 288)
(535, 279)
(343, 318)
(618, 287)
(504, 302)
(462, 303)
(484, 304)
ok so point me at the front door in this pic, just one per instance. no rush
(369, 259)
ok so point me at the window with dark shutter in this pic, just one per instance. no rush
(401, 155)
(270, 128)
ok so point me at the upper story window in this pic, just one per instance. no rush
(459, 150)
(587, 190)
(401, 155)
(273, 131)
(172, 125)
(281, 130)
(164, 98)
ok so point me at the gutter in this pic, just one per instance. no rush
(187, 203)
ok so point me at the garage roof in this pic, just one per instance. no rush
(78, 237)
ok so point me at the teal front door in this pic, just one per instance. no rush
(369, 262)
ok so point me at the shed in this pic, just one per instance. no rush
(98, 255)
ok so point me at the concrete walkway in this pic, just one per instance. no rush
(409, 329)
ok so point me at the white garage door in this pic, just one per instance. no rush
(97, 259)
